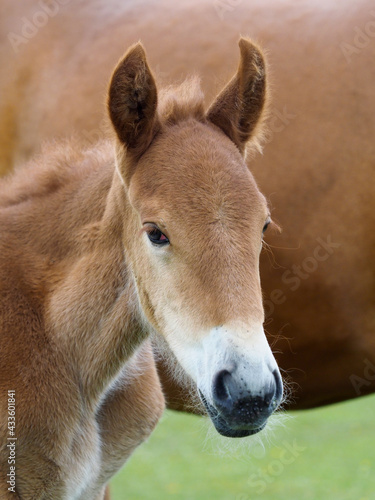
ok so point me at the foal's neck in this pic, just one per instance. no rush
(94, 309)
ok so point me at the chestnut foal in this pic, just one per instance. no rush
(157, 234)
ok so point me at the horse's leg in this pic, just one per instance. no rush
(107, 495)
(104, 495)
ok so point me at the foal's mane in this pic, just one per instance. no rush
(58, 164)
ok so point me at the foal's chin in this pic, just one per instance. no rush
(226, 429)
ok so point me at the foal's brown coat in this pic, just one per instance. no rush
(78, 275)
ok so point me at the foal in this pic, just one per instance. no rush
(161, 234)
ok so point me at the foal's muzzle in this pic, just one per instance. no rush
(235, 410)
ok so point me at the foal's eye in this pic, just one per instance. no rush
(156, 236)
(266, 225)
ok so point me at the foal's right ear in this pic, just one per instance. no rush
(239, 107)
(132, 102)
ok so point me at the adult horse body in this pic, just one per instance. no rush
(318, 169)
(101, 248)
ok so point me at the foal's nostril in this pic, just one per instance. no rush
(221, 386)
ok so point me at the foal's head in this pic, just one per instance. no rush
(194, 232)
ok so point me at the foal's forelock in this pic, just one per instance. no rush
(180, 102)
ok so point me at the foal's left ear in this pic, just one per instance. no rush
(238, 108)
(132, 102)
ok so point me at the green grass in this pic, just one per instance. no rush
(332, 457)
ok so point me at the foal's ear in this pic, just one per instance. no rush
(238, 108)
(132, 102)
